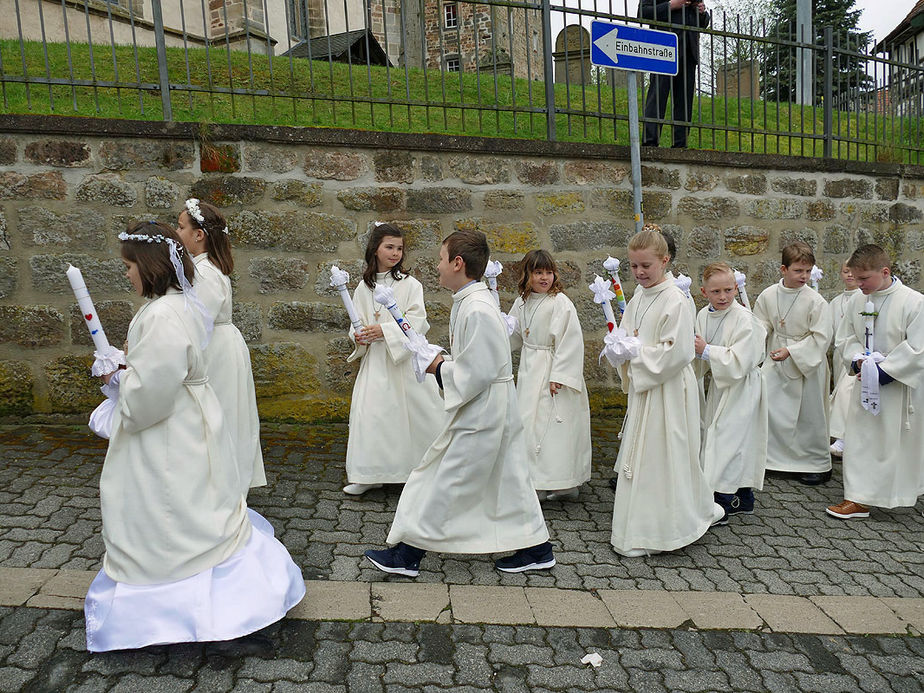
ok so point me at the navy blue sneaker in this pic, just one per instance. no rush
(534, 558)
(743, 503)
(726, 500)
(400, 559)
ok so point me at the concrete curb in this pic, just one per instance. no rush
(536, 606)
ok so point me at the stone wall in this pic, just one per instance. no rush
(299, 200)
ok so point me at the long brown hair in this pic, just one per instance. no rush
(217, 242)
(372, 265)
(153, 259)
(537, 260)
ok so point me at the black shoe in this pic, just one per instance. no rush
(814, 478)
(744, 502)
(613, 481)
(534, 558)
(400, 559)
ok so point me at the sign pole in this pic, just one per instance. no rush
(632, 87)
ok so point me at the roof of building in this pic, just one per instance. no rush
(912, 24)
(338, 46)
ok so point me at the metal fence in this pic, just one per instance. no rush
(507, 68)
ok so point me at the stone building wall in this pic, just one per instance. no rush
(300, 200)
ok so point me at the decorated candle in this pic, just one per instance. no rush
(87, 309)
(338, 280)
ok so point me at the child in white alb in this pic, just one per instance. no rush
(841, 376)
(730, 345)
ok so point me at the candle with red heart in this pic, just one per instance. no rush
(75, 277)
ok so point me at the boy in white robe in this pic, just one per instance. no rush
(729, 344)
(884, 437)
(472, 493)
(841, 376)
(798, 328)
(662, 499)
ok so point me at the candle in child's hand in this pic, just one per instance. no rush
(87, 309)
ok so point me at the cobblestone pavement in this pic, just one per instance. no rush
(42, 650)
(49, 518)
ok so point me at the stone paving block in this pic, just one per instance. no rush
(410, 601)
(69, 583)
(910, 610)
(17, 585)
(569, 608)
(726, 610)
(50, 601)
(489, 604)
(790, 614)
(861, 614)
(643, 608)
(333, 601)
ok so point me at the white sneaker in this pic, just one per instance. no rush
(359, 489)
(564, 494)
(837, 448)
(636, 553)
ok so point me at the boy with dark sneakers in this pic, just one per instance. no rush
(472, 492)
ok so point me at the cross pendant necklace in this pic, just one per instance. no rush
(788, 310)
(645, 312)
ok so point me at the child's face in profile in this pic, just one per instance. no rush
(389, 253)
(796, 275)
(720, 290)
(541, 280)
(870, 280)
(847, 277)
(647, 267)
(131, 273)
(191, 235)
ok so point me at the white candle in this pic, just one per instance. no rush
(338, 280)
(87, 309)
(493, 269)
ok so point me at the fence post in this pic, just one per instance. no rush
(164, 76)
(548, 76)
(829, 93)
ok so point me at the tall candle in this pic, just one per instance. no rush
(338, 280)
(87, 309)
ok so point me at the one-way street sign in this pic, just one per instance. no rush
(625, 47)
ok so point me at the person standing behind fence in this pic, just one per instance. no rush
(682, 13)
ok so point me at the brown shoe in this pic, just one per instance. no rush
(847, 510)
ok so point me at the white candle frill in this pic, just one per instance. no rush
(603, 295)
(101, 418)
(491, 272)
(339, 280)
(815, 276)
(611, 266)
(741, 280)
(422, 352)
(620, 346)
(107, 358)
(683, 282)
(869, 372)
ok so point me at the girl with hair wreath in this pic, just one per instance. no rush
(204, 232)
(393, 418)
(185, 559)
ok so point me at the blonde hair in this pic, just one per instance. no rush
(649, 240)
(717, 268)
(869, 257)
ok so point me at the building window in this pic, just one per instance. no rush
(451, 15)
(453, 65)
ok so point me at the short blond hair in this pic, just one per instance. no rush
(717, 268)
(649, 240)
(869, 257)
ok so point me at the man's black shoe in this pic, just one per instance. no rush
(814, 478)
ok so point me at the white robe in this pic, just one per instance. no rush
(884, 454)
(393, 418)
(559, 452)
(472, 493)
(230, 374)
(170, 489)
(663, 501)
(843, 380)
(797, 387)
(734, 418)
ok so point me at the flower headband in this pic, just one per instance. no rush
(192, 208)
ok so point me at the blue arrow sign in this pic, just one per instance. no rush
(625, 47)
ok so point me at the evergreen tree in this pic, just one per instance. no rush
(778, 69)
